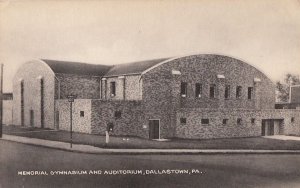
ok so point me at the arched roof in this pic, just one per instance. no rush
(77, 68)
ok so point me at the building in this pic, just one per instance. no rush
(197, 96)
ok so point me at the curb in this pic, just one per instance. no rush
(104, 151)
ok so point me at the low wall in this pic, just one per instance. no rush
(216, 129)
(81, 110)
(127, 123)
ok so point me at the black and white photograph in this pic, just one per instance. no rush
(158, 93)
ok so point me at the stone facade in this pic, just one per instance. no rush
(30, 74)
(83, 86)
(154, 94)
(81, 115)
(128, 87)
(127, 122)
(251, 122)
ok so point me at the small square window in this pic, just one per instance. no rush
(253, 120)
(239, 121)
(81, 113)
(183, 120)
(225, 121)
(204, 121)
(292, 119)
(118, 114)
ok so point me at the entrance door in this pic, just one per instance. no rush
(263, 128)
(153, 129)
(31, 118)
(57, 119)
(271, 127)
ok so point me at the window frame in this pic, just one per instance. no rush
(227, 92)
(183, 89)
(238, 92)
(113, 88)
(204, 119)
(198, 90)
(250, 93)
(212, 86)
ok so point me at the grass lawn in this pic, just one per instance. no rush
(136, 142)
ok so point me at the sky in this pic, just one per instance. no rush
(263, 33)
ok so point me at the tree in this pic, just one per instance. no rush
(283, 89)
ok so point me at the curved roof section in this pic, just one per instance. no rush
(67, 67)
(133, 68)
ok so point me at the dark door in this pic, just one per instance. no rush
(57, 119)
(154, 129)
(271, 127)
(263, 128)
(31, 118)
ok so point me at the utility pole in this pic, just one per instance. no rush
(1, 101)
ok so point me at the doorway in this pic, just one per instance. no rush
(154, 129)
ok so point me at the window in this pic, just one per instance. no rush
(227, 92)
(42, 102)
(81, 113)
(183, 90)
(113, 89)
(183, 120)
(238, 92)
(212, 91)
(253, 121)
(292, 119)
(118, 114)
(225, 121)
(22, 102)
(250, 92)
(239, 121)
(198, 88)
(204, 121)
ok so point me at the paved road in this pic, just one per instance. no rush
(201, 170)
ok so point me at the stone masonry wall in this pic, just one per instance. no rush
(129, 123)
(216, 129)
(133, 87)
(30, 73)
(84, 86)
(161, 90)
(80, 123)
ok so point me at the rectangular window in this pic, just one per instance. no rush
(227, 92)
(212, 91)
(204, 121)
(239, 121)
(183, 89)
(81, 113)
(253, 121)
(292, 120)
(113, 89)
(182, 120)
(198, 90)
(118, 114)
(250, 92)
(225, 121)
(42, 102)
(238, 92)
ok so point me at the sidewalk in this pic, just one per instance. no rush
(95, 150)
